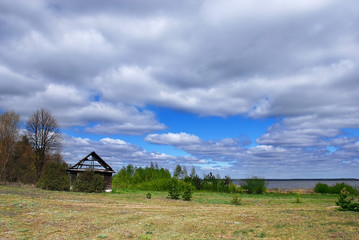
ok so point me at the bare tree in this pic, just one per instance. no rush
(9, 130)
(45, 137)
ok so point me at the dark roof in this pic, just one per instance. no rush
(91, 161)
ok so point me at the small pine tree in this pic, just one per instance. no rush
(297, 198)
(187, 193)
(344, 200)
(197, 181)
(174, 188)
(254, 185)
(236, 200)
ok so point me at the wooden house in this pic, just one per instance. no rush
(94, 163)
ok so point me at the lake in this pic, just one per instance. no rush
(303, 183)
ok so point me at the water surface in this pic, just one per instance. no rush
(303, 183)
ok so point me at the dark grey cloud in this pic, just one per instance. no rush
(208, 57)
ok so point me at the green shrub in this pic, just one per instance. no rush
(321, 188)
(54, 178)
(233, 188)
(121, 179)
(254, 185)
(154, 185)
(236, 200)
(89, 181)
(336, 189)
(197, 182)
(174, 188)
(148, 195)
(187, 192)
(345, 201)
(297, 198)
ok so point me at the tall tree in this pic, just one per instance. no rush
(184, 172)
(44, 134)
(193, 172)
(9, 130)
(178, 172)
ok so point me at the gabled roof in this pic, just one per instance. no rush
(91, 161)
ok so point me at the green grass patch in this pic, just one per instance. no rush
(32, 213)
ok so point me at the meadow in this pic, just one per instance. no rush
(30, 213)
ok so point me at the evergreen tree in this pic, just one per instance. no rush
(187, 192)
(174, 188)
(193, 173)
(197, 182)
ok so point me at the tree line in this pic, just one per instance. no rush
(159, 179)
(25, 153)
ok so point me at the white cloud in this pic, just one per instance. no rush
(173, 139)
(119, 153)
(224, 12)
(164, 58)
(114, 119)
(17, 84)
(279, 158)
(73, 108)
(97, 67)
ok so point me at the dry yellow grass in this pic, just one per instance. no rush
(30, 213)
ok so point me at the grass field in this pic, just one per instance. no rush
(30, 213)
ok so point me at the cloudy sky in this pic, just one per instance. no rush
(240, 88)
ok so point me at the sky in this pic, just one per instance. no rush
(239, 88)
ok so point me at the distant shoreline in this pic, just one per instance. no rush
(305, 179)
(303, 183)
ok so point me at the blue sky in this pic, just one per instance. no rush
(235, 87)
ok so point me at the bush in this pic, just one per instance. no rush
(174, 188)
(298, 198)
(154, 185)
(54, 178)
(187, 192)
(150, 178)
(148, 195)
(336, 189)
(236, 200)
(345, 201)
(254, 185)
(89, 181)
(197, 182)
(321, 188)
(233, 188)
(210, 183)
